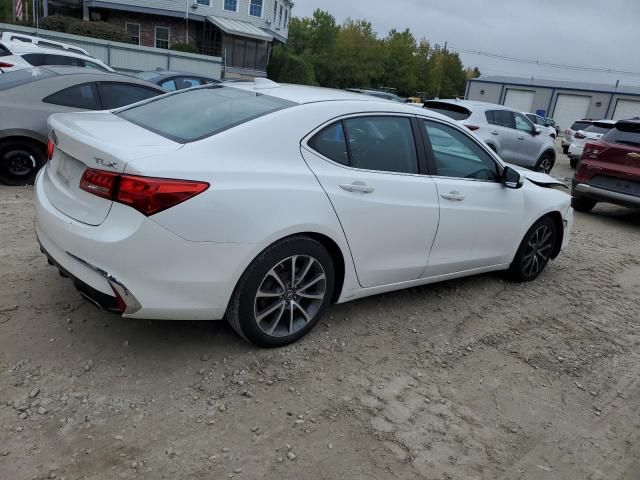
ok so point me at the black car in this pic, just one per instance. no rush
(171, 80)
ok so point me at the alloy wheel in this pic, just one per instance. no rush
(19, 163)
(290, 295)
(545, 165)
(538, 250)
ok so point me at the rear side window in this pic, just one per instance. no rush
(579, 126)
(456, 112)
(22, 77)
(598, 128)
(331, 143)
(384, 144)
(624, 133)
(115, 95)
(190, 115)
(501, 118)
(80, 96)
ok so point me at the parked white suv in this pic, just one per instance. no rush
(506, 131)
(18, 51)
(589, 134)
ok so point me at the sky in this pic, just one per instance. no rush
(602, 34)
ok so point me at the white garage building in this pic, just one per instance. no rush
(561, 100)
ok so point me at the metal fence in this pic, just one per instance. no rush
(131, 58)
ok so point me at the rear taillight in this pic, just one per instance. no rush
(50, 148)
(100, 183)
(146, 194)
(6, 65)
(473, 128)
(579, 136)
(592, 150)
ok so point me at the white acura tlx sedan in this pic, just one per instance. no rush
(264, 203)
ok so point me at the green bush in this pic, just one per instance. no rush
(75, 26)
(184, 47)
(294, 69)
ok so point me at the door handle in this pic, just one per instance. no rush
(493, 132)
(454, 196)
(357, 187)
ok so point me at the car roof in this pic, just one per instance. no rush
(161, 73)
(71, 70)
(472, 104)
(302, 93)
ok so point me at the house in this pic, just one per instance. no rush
(242, 32)
(564, 101)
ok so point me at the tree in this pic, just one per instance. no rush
(359, 55)
(287, 67)
(400, 65)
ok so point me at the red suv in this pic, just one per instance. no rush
(609, 170)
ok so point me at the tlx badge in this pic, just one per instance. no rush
(105, 163)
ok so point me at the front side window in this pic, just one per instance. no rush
(80, 96)
(501, 118)
(115, 95)
(230, 5)
(162, 37)
(384, 144)
(456, 155)
(522, 123)
(133, 30)
(255, 8)
(191, 115)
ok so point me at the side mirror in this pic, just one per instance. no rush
(511, 178)
(536, 131)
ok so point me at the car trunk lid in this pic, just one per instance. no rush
(96, 140)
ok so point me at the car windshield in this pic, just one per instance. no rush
(599, 128)
(626, 134)
(190, 115)
(579, 126)
(456, 112)
(22, 77)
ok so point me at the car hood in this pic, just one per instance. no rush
(539, 178)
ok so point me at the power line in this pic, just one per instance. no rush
(542, 63)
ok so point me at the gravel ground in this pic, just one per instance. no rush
(471, 379)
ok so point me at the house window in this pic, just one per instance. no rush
(275, 11)
(204, 2)
(255, 8)
(286, 18)
(162, 37)
(280, 16)
(133, 30)
(230, 5)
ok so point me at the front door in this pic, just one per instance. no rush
(478, 215)
(388, 209)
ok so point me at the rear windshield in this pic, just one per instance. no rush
(22, 77)
(624, 133)
(598, 128)
(579, 126)
(456, 112)
(190, 115)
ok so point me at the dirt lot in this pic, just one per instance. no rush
(470, 379)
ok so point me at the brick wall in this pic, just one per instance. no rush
(148, 23)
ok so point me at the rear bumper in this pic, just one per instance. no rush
(575, 150)
(158, 274)
(584, 190)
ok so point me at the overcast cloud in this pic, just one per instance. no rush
(602, 34)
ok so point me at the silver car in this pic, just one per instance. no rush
(506, 131)
(29, 96)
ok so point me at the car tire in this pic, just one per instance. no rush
(535, 251)
(20, 161)
(565, 150)
(273, 307)
(545, 163)
(583, 204)
(573, 162)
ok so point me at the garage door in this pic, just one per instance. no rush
(521, 100)
(626, 109)
(570, 108)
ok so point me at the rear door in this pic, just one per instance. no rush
(369, 166)
(477, 213)
(502, 129)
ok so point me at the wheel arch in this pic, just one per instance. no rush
(19, 134)
(549, 151)
(556, 217)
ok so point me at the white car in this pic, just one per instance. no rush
(507, 132)
(18, 51)
(542, 124)
(266, 203)
(592, 133)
